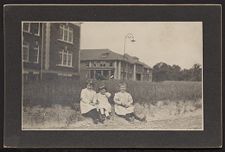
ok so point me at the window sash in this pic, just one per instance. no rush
(66, 34)
(70, 36)
(25, 50)
(65, 58)
(70, 59)
(26, 30)
(38, 29)
(64, 62)
(36, 54)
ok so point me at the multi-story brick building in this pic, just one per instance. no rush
(106, 64)
(50, 50)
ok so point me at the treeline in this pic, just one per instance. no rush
(163, 71)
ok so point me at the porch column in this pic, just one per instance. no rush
(94, 74)
(115, 70)
(109, 73)
(46, 47)
(88, 74)
(150, 76)
(119, 70)
(134, 72)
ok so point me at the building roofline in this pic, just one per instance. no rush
(117, 59)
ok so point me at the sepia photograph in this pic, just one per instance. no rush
(112, 75)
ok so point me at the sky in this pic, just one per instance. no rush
(177, 43)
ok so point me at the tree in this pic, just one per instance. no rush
(176, 72)
(163, 71)
(196, 72)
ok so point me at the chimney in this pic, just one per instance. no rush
(136, 58)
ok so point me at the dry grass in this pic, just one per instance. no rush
(67, 92)
(64, 117)
(54, 116)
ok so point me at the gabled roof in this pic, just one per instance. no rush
(107, 54)
(99, 54)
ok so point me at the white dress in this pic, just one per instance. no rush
(123, 103)
(103, 102)
(86, 102)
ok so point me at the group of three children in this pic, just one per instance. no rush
(97, 106)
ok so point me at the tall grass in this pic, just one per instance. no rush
(67, 92)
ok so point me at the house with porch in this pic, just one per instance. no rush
(106, 64)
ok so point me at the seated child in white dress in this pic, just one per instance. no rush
(124, 104)
(87, 106)
(102, 102)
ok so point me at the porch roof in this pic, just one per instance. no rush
(107, 54)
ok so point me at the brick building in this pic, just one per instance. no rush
(106, 64)
(50, 50)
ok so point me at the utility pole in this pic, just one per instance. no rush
(131, 37)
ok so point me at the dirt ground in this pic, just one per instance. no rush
(159, 117)
(188, 122)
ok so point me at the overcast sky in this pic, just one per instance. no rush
(170, 42)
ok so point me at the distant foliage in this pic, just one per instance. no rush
(164, 72)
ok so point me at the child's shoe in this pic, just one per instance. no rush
(129, 118)
(95, 121)
(101, 118)
(144, 119)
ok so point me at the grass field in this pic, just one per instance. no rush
(55, 105)
(67, 93)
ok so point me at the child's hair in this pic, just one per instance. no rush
(101, 87)
(122, 84)
(90, 82)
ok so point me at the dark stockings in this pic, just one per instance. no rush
(131, 117)
(93, 114)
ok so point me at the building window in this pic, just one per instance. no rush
(66, 33)
(104, 55)
(87, 64)
(26, 27)
(36, 28)
(36, 53)
(65, 58)
(65, 76)
(35, 76)
(25, 52)
(25, 75)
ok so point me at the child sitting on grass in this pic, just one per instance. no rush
(103, 105)
(87, 105)
(124, 104)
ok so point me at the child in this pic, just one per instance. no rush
(124, 104)
(87, 104)
(103, 105)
